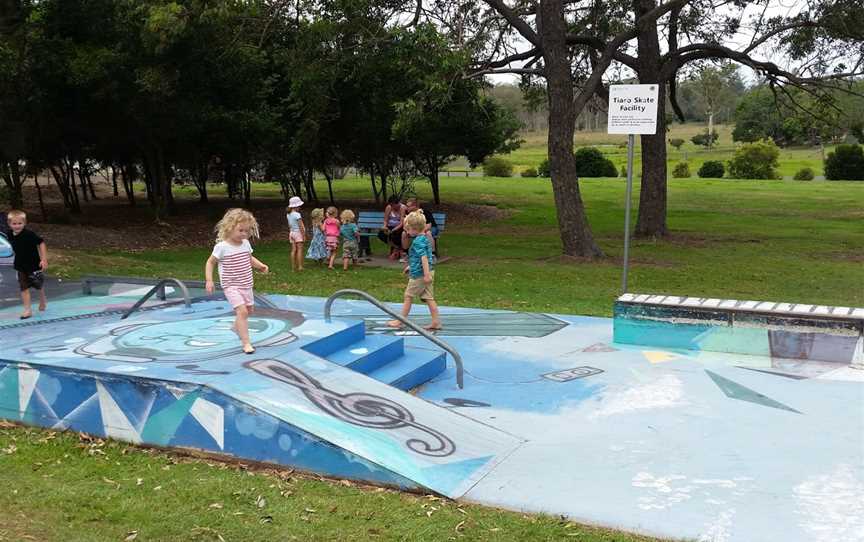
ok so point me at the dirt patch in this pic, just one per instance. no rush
(110, 223)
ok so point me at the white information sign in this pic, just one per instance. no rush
(633, 109)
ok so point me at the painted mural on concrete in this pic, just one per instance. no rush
(678, 442)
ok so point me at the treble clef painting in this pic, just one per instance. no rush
(362, 409)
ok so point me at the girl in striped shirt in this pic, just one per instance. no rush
(233, 254)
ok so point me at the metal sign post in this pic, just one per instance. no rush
(632, 110)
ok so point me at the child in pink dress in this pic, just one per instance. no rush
(233, 254)
(331, 233)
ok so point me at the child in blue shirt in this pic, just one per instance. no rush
(420, 270)
(350, 238)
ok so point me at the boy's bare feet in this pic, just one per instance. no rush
(42, 307)
(26, 315)
(396, 324)
(248, 348)
(434, 326)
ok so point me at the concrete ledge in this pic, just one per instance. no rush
(764, 328)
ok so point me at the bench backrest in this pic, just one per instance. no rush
(374, 220)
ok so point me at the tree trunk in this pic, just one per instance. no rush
(576, 236)
(652, 194)
(114, 181)
(12, 177)
(39, 195)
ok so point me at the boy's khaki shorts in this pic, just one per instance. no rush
(418, 288)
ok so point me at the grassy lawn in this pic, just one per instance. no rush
(772, 240)
(59, 487)
(533, 151)
(769, 240)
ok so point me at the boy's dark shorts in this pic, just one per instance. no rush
(34, 279)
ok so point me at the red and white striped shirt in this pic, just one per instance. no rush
(235, 264)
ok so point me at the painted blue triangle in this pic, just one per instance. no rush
(134, 399)
(73, 390)
(39, 412)
(9, 393)
(87, 418)
(446, 478)
(190, 433)
(735, 390)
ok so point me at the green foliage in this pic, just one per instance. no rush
(757, 160)
(495, 166)
(590, 162)
(530, 172)
(756, 117)
(804, 174)
(712, 169)
(543, 169)
(676, 142)
(681, 170)
(704, 139)
(846, 163)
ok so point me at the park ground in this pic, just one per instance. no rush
(761, 240)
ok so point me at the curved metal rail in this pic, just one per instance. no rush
(456, 357)
(160, 289)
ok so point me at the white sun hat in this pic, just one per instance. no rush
(295, 201)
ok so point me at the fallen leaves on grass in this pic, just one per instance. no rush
(216, 506)
(260, 502)
(198, 531)
(130, 536)
(10, 450)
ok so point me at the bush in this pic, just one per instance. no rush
(757, 160)
(804, 174)
(704, 140)
(677, 142)
(543, 168)
(845, 163)
(681, 170)
(712, 169)
(495, 166)
(530, 172)
(590, 162)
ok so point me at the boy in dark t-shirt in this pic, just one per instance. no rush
(31, 260)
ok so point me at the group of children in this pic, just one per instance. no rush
(233, 255)
(328, 232)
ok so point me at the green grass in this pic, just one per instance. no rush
(59, 487)
(771, 240)
(533, 151)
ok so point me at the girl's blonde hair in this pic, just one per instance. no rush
(416, 220)
(317, 216)
(232, 218)
(347, 216)
(332, 211)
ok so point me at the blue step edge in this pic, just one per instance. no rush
(369, 354)
(416, 367)
(338, 340)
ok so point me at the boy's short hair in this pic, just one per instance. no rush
(416, 220)
(347, 216)
(16, 213)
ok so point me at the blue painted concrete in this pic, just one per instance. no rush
(554, 416)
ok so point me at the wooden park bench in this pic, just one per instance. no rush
(371, 222)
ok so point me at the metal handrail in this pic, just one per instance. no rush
(456, 357)
(160, 287)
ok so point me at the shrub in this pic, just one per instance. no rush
(712, 169)
(704, 140)
(543, 168)
(590, 162)
(530, 172)
(623, 170)
(757, 160)
(677, 142)
(681, 170)
(495, 166)
(804, 174)
(845, 163)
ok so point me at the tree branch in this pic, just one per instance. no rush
(515, 21)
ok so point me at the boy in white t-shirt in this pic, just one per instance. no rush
(233, 253)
